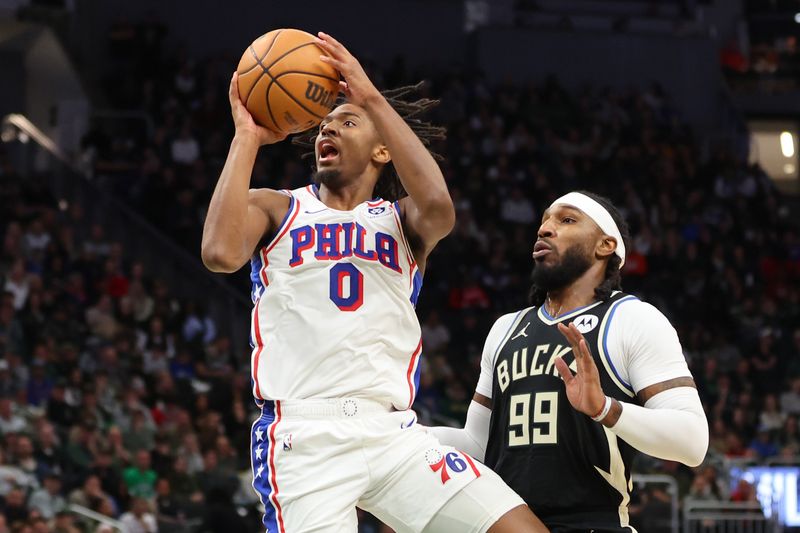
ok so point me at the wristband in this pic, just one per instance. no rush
(604, 411)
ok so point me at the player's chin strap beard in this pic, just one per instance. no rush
(325, 176)
(574, 262)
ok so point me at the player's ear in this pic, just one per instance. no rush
(606, 247)
(381, 154)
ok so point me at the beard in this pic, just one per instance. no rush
(575, 261)
(326, 177)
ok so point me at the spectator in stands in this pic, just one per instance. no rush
(9, 421)
(48, 500)
(64, 523)
(140, 478)
(14, 506)
(139, 519)
(790, 400)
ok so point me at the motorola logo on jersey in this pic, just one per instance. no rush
(376, 210)
(586, 323)
(332, 242)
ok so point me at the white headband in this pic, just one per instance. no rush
(599, 214)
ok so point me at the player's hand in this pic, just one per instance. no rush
(356, 86)
(243, 120)
(583, 389)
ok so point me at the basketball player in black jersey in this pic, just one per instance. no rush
(571, 387)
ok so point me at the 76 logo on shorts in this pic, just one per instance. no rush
(455, 462)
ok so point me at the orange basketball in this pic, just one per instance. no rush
(283, 83)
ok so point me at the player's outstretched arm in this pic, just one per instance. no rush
(237, 217)
(474, 436)
(672, 424)
(428, 211)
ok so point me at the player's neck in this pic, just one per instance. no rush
(346, 197)
(579, 293)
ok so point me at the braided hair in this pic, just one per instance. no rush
(389, 186)
(612, 280)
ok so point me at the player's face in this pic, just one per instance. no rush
(346, 143)
(565, 246)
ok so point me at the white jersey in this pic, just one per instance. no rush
(642, 348)
(334, 295)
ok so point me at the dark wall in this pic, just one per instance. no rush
(688, 68)
(429, 31)
(12, 90)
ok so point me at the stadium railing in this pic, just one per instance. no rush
(93, 516)
(728, 517)
(671, 522)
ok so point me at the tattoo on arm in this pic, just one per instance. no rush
(648, 392)
(483, 400)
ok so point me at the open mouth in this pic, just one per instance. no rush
(327, 152)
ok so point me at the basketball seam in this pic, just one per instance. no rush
(262, 57)
(290, 95)
(274, 79)
(307, 74)
(258, 62)
(286, 53)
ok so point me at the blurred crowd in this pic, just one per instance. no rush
(119, 398)
(114, 396)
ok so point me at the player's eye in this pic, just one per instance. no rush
(568, 220)
(322, 125)
(349, 123)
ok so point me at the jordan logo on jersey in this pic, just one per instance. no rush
(522, 332)
(331, 242)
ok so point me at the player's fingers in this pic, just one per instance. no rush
(569, 334)
(577, 336)
(564, 371)
(344, 87)
(332, 62)
(325, 45)
(336, 51)
(330, 39)
(589, 366)
(233, 89)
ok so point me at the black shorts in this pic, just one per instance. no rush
(585, 522)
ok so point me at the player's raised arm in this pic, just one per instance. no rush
(671, 424)
(237, 217)
(428, 211)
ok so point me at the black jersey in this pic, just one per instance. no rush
(573, 473)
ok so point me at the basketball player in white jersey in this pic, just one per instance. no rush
(336, 342)
(572, 387)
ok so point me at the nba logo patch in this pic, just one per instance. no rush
(287, 442)
(376, 210)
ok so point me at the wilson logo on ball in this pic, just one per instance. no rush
(318, 94)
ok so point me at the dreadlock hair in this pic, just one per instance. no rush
(612, 280)
(389, 186)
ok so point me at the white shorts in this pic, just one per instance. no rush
(315, 461)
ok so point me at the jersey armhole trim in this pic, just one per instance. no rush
(412, 262)
(514, 323)
(291, 213)
(603, 346)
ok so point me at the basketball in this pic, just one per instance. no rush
(283, 83)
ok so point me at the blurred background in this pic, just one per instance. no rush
(124, 392)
